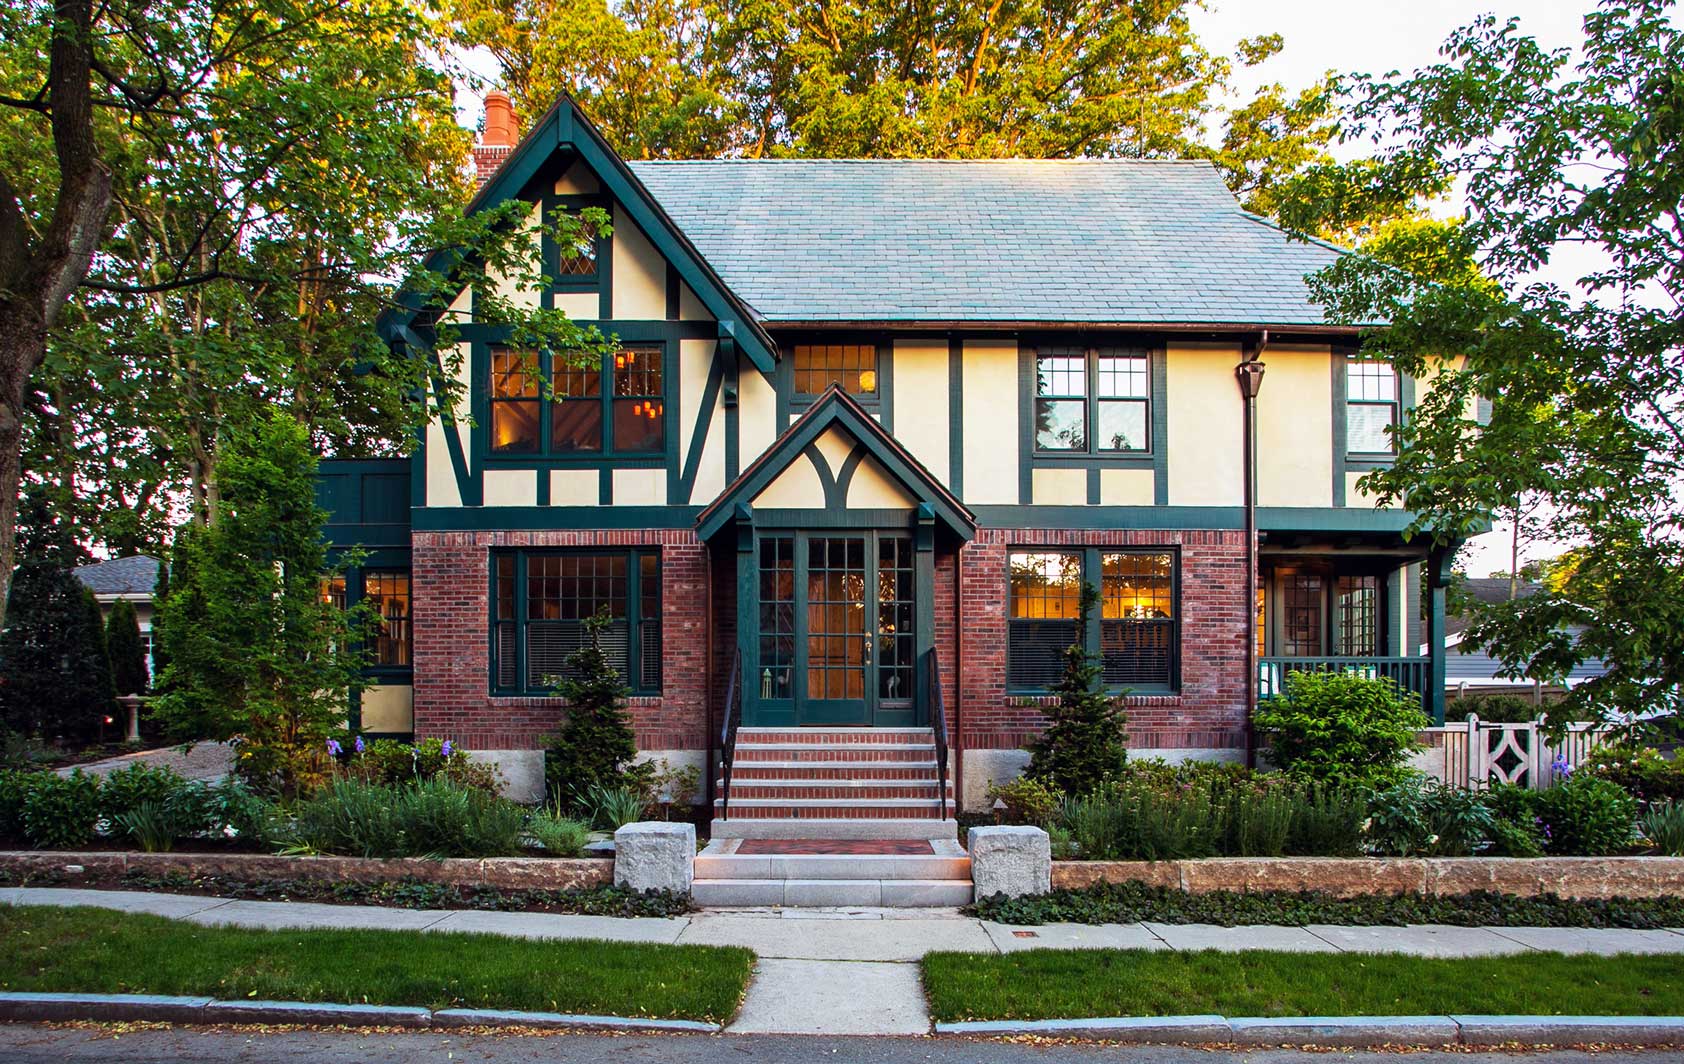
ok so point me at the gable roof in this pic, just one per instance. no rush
(135, 575)
(1115, 241)
(565, 129)
(837, 407)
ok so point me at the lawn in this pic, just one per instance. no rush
(1071, 984)
(99, 951)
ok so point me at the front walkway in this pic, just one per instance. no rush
(854, 971)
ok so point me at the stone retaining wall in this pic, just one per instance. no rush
(1569, 877)
(507, 873)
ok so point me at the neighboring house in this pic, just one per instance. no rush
(870, 426)
(1469, 670)
(131, 579)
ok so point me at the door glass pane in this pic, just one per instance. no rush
(896, 644)
(777, 617)
(836, 624)
(1356, 624)
(1301, 615)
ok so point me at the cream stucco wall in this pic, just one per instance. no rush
(388, 708)
(798, 487)
(757, 414)
(577, 181)
(442, 489)
(922, 401)
(640, 487)
(640, 273)
(835, 446)
(1127, 487)
(575, 487)
(695, 359)
(1204, 466)
(873, 489)
(1355, 496)
(1294, 427)
(690, 307)
(580, 306)
(511, 487)
(504, 285)
(990, 421)
(1059, 487)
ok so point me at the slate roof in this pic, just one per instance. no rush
(1084, 240)
(136, 575)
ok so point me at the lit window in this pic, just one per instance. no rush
(570, 416)
(852, 366)
(515, 404)
(1138, 637)
(387, 594)
(542, 600)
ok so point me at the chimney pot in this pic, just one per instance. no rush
(500, 129)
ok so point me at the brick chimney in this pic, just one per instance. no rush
(498, 139)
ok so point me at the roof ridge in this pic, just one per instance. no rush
(1015, 160)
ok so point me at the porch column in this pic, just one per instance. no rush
(748, 606)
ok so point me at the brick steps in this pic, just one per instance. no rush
(834, 774)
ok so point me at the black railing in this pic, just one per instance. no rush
(938, 723)
(728, 737)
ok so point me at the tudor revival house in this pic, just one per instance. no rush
(868, 428)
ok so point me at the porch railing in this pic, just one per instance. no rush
(938, 724)
(728, 735)
(1411, 674)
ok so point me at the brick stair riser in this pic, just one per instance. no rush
(753, 770)
(746, 754)
(741, 789)
(872, 736)
(922, 811)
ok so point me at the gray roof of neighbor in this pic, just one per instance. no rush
(136, 575)
(1081, 240)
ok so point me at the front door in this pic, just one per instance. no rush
(837, 629)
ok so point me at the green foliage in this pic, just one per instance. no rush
(150, 825)
(57, 680)
(559, 836)
(1342, 728)
(613, 807)
(1586, 816)
(1327, 821)
(1583, 379)
(133, 785)
(60, 812)
(1416, 818)
(1082, 743)
(127, 652)
(430, 818)
(1663, 825)
(1493, 709)
(1027, 800)
(596, 746)
(255, 654)
(1642, 771)
(391, 762)
(14, 786)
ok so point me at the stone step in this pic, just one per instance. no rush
(832, 866)
(832, 809)
(832, 828)
(891, 893)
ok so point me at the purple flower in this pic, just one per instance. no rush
(1563, 770)
(333, 748)
(359, 746)
(445, 749)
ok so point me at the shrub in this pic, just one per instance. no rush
(431, 818)
(1417, 818)
(1083, 741)
(1335, 727)
(348, 817)
(596, 746)
(1663, 825)
(58, 675)
(126, 650)
(128, 787)
(560, 836)
(1135, 822)
(14, 784)
(151, 825)
(390, 762)
(1496, 709)
(1586, 816)
(1327, 822)
(242, 814)
(1516, 830)
(1026, 800)
(1641, 771)
(60, 812)
(1257, 822)
(613, 807)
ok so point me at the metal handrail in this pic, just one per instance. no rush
(938, 723)
(728, 738)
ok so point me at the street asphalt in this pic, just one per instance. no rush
(30, 1044)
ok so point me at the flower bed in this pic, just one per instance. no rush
(1567, 877)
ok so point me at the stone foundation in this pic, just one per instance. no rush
(507, 873)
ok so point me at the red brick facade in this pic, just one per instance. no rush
(698, 596)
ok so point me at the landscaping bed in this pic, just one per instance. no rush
(1568, 877)
(1071, 984)
(96, 951)
(1132, 902)
(547, 873)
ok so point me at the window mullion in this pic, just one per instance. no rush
(1093, 573)
(1091, 380)
(634, 610)
(519, 621)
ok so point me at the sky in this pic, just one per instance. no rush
(1369, 36)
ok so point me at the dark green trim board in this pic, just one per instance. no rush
(625, 330)
(836, 407)
(727, 355)
(956, 415)
(1340, 365)
(674, 299)
(699, 431)
(1160, 425)
(545, 518)
(1269, 518)
(1155, 458)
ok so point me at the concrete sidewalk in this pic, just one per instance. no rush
(854, 971)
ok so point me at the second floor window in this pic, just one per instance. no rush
(573, 416)
(1092, 402)
(818, 366)
(1371, 407)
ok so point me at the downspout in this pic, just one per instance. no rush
(1249, 375)
(708, 770)
(958, 685)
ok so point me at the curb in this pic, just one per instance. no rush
(132, 1007)
(1346, 1030)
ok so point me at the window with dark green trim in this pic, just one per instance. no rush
(387, 593)
(818, 366)
(1371, 406)
(541, 600)
(572, 415)
(1136, 633)
(578, 267)
(1092, 401)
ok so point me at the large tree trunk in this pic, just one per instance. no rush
(22, 345)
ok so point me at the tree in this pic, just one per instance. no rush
(126, 650)
(1083, 740)
(1585, 383)
(255, 653)
(57, 677)
(596, 746)
(690, 78)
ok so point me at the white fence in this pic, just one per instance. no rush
(1477, 753)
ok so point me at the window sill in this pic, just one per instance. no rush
(1131, 459)
(531, 459)
(510, 699)
(1135, 694)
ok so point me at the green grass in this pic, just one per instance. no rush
(1072, 984)
(99, 951)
